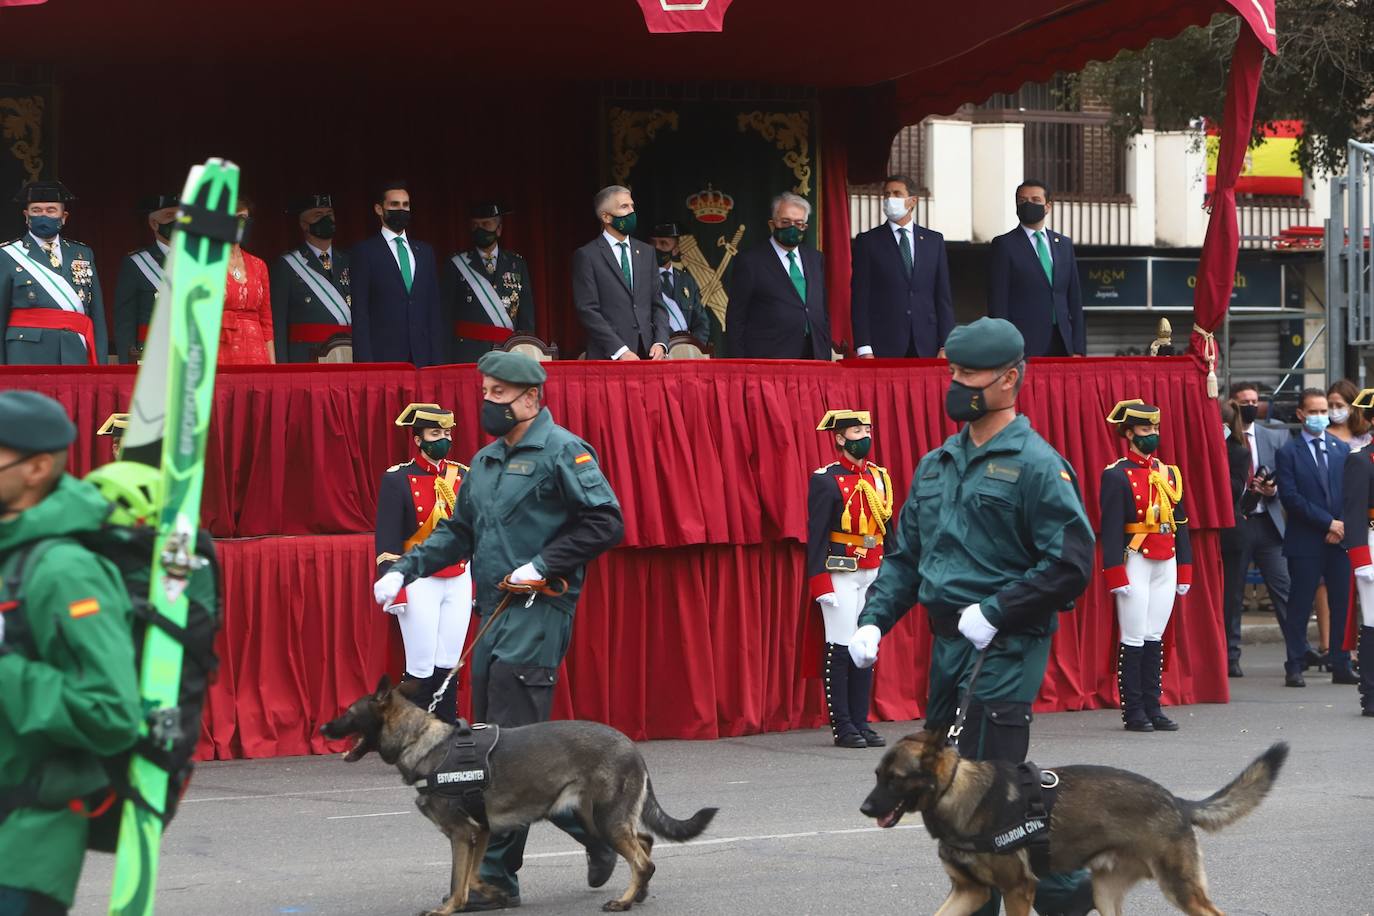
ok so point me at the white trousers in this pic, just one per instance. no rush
(1366, 593)
(850, 590)
(1144, 613)
(435, 622)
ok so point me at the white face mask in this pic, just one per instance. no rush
(895, 208)
(1340, 415)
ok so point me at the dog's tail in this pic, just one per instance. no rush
(670, 828)
(1241, 795)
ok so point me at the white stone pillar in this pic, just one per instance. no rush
(1140, 184)
(949, 176)
(999, 164)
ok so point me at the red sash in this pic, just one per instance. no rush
(316, 333)
(475, 331)
(59, 320)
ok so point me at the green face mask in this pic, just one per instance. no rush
(625, 225)
(789, 236)
(1146, 444)
(437, 449)
(859, 448)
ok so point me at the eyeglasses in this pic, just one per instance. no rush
(784, 223)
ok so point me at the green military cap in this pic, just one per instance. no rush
(988, 343)
(31, 423)
(512, 368)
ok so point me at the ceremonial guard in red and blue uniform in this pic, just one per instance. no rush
(1358, 487)
(850, 505)
(1146, 557)
(433, 612)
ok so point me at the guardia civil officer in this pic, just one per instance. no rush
(994, 543)
(849, 505)
(535, 507)
(140, 277)
(312, 292)
(68, 685)
(1147, 559)
(434, 611)
(486, 290)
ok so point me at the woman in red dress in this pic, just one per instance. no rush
(245, 338)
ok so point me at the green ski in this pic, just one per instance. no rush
(168, 425)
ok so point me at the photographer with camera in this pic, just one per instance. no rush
(1260, 521)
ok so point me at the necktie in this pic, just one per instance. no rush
(798, 281)
(404, 257)
(1044, 252)
(489, 264)
(326, 262)
(667, 276)
(1319, 452)
(625, 263)
(906, 249)
(53, 257)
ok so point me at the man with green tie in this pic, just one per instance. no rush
(140, 277)
(615, 285)
(51, 310)
(1033, 279)
(395, 287)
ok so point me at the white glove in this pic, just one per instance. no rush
(829, 600)
(1182, 589)
(1122, 590)
(1365, 574)
(524, 574)
(863, 645)
(975, 627)
(388, 587)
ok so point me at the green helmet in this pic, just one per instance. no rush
(135, 490)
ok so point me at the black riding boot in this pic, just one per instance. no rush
(447, 710)
(860, 692)
(1128, 664)
(836, 673)
(421, 691)
(1152, 686)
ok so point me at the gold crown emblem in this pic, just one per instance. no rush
(710, 205)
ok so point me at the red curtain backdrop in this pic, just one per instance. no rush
(692, 628)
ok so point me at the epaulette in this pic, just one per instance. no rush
(397, 467)
(462, 468)
(76, 243)
(1114, 464)
(17, 238)
(130, 254)
(825, 467)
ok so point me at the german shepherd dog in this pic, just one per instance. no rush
(1121, 826)
(536, 771)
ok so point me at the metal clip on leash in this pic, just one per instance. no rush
(957, 728)
(533, 589)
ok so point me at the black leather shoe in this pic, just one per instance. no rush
(601, 861)
(478, 903)
(1368, 712)
(853, 739)
(1294, 680)
(1233, 670)
(1322, 661)
(1139, 727)
(1163, 724)
(1345, 677)
(873, 739)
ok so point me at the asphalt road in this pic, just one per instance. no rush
(318, 836)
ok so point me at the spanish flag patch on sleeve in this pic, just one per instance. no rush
(83, 608)
(583, 458)
(1065, 475)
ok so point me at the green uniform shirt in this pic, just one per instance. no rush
(1001, 526)
(29, 346)
(68, 691)
(135, 292)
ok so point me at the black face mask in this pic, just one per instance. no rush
(323, 228)
(964, 403)
(663, 257)
(396, 220)
(164, 230)
(1030, 213)
(498, 418)
(1248, 413)
(483, 238)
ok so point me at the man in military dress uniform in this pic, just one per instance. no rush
(535, 507)
(1358, 513)
(312, 302)
(850, 505)
(486, 289)
(687, 314)
(140, 277)
(51, 310)
(994, 543)
(114, 427)
(1147, 559)
(434, 611)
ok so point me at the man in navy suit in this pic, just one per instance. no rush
(900, 287)
(395, 290)
(777, 293)
(1310, 470)
(1033, 279)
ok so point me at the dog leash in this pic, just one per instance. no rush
(957, 728)
(533, 589)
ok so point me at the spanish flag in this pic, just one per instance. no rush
(1270, 168)
(83, 608)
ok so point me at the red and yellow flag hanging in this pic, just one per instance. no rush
(1270, 168)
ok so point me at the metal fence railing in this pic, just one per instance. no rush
(866, 210)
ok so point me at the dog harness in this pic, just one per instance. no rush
(1024, 821)
(465, 773)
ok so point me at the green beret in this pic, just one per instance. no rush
(512, 368)
(31, 423)
(988, 343)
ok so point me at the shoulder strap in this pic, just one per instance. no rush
(12, 575)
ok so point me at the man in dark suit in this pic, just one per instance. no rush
(395, 290)
(487, 293)
(312, 301)
(687, 313)
(1260, 523)
(1310, 472)
(900, 302)
(1033, 279)
(616, 287)
(777, 293)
